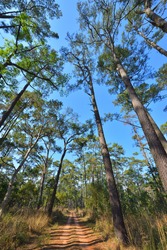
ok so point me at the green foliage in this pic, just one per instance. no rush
(3, 185)
(26, 58)
(25, 195)
(14, 232)
(140, 189)
(105, 227)
(98, 200)
(69, 189)
(164, 128)
(25, 55)
(152, 93)
(30, 17)
(161, 76)
(106, 62)
(139, 20)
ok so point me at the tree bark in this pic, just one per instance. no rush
(151, 43)
(43, 176)
(6, 199)
(41, 189)
(156, 20)
(12, 105)
(52, 200)
(146, 159)
(158, 132)
(156, 148)
(85, 180)
(117, 215)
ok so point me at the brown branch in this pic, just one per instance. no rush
(150, 42)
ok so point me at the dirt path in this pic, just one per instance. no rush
(73, 236)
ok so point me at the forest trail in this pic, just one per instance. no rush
(74, 235)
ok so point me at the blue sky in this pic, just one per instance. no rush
(115, 132)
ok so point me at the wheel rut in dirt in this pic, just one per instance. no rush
(75, 235)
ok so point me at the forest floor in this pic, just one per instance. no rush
(74, 234)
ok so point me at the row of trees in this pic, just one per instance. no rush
(35, 138)
(112, 49)
(122, 62)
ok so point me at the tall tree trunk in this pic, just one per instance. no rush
(85, 180)
(117, 215)
(12, 105)
(156, 148)
(6, 199)
(12, 122)
(41, 188)
(146, 159)
(158, 132)
(52, 200)
(43, 176)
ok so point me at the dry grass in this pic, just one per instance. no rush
(105, 227)
(17, 229)
(146, 232)
(37, 222)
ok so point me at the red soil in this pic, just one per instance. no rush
(73, 236)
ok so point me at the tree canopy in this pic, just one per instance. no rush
(53, 157)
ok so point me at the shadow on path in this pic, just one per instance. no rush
(73, 235)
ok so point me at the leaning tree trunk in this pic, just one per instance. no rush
(52, 200)
(151, 43)
(156, 148)
(6, 199)
(156, 20)
(117, 215)
(147, 161)
(13, 104)
(15, 100)
(158, 132)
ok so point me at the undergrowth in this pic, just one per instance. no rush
(149, 232)
(17, 229)
(146, 232)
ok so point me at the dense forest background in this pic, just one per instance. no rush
(51, 157)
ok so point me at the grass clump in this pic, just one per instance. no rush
(13, 232)
(148, 232)
(105, 227)
(17, 229)
(37, 222)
